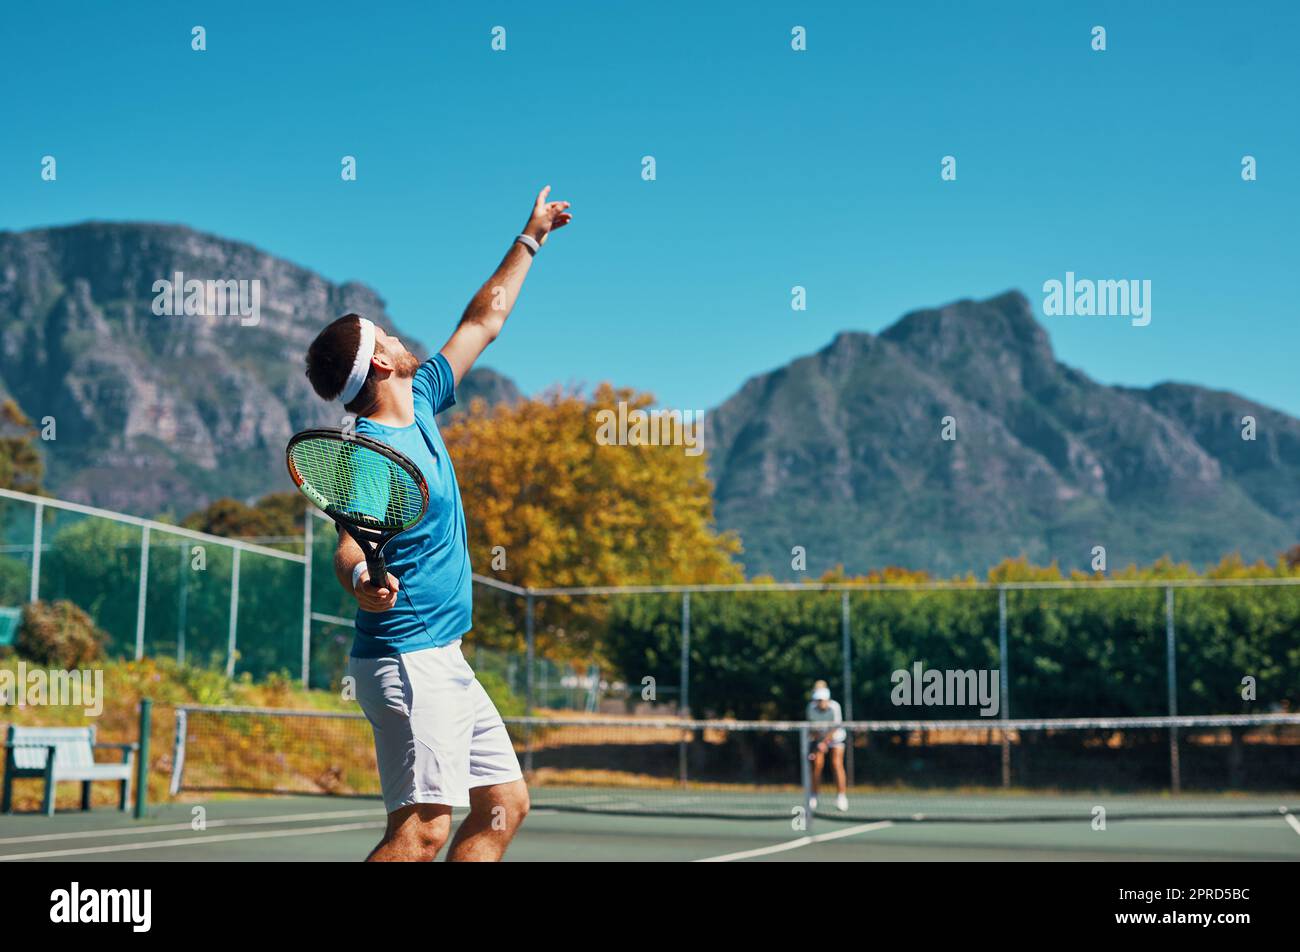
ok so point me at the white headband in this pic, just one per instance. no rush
(360, 366)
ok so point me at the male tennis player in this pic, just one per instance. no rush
(439, 740)
(830, 740)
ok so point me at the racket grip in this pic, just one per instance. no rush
(378, 570)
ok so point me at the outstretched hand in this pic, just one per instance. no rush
(546, 217)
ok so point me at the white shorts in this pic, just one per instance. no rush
(437, 733)
(835, 739)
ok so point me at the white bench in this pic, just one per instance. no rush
(61, 753)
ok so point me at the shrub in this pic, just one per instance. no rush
(508, 703)
(59, 634)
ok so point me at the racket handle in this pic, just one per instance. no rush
(378, 570)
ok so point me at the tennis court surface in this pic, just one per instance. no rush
(265, 785)
(312, 829)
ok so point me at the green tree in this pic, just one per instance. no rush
(1072, 652)
(274, 515)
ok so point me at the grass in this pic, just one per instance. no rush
(169, 685)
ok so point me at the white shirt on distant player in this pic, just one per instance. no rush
(830, 714)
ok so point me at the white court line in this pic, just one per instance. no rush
(1295, 824)
(1216, 821)
(174, 827)
(852, 831)
(762, 851)
(797, 843)
(194, 841)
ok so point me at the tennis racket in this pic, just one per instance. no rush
(370, 490)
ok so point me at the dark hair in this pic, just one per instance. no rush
(330, 358)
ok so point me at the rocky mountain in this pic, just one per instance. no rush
(154, 408)
(486, 384)
(842, 452)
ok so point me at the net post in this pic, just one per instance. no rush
(531, 653)
(142, 758)
(141, 593)
(805, 775)
(178, 751)
(846, 652)
(1003, 680)
(231, 643)
(1175, 768)
(34, 593)
(307, 550)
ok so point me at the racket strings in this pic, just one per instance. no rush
(358, 482)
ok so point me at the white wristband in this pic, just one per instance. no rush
(357, 571)
(529, 242)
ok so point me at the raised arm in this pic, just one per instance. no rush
(487, 311)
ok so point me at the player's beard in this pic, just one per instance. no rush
(406, 364)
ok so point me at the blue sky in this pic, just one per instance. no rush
(774, 168)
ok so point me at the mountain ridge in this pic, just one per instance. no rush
(839, 450)
(152, 409)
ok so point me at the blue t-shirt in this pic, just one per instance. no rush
(431, 559)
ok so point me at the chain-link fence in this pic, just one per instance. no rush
(1118, 648)
(1103, 648)
(157, 590)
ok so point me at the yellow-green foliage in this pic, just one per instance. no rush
(169, 685)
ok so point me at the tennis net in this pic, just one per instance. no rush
(943, 770)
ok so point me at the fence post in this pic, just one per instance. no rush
(846, 652)
(140, 595)
(684, 688)
(531, 650)
(37, 527)
(231, 643)
(182, 609)
(530, 653)
(307, 539)
(1175, 769)
(142, 758)
(1003, 683)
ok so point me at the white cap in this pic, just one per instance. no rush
(822, 694)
